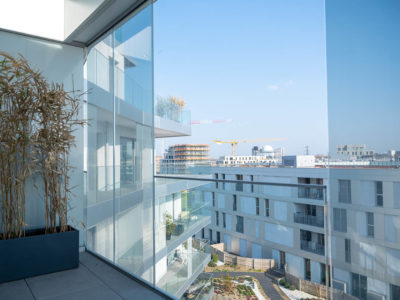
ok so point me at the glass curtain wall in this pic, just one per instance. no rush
(119, 72)
(363, 75)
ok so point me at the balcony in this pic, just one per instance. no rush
(93, 279)
(311, 193)
(313, 247)
(170, 119)
(201, 289)
(182, 210)
(302, 218)
(184, 265)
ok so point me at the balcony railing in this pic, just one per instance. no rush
(313, 247)
(303, 218)
(201, 289)
(166, 109)
(311, 193)
(183, 265)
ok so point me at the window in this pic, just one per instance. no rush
(213, 199)
(257, 206)
(394, 292)
(234, 202)
(210, 234)
(347, 251)
(252, 185)
(127, 154)
(239, 224)
(340, 219)
(311, 210)
(223, 220)
(307, 269)
(379, 193)
(370, 224)
(239, 186)
(218, 237)
(267, 207)
(344, 191)
(216, 218)
(202, 233)
(223, 184)
(216, 177)
(359, 286)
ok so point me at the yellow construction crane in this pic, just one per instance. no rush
(235, 142)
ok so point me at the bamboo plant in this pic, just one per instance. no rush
(36, 132)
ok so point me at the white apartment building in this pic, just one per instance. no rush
(355, 151)
(288, 224)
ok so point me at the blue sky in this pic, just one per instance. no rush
(261, 65)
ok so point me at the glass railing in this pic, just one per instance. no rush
(201, 289)
(182, 206)
(300, 217)
(311, 193)
(313, 247)
(184, 262)
(168, 109)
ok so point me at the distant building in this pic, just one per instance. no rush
(179, 158)
(246, 160)
(268, 151)
(298, 161)
(354, 151)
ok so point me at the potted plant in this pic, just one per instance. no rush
(37, 122)
(169, 225)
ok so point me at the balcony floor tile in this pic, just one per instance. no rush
(15, 290)
(93, 279)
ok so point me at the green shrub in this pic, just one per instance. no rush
(212, 264)
(287, 285)
(292, 287)
(214, 257)
(282, 281)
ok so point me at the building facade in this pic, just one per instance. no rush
(361, 242)
(179, 158)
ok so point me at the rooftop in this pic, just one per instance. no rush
(93, 279)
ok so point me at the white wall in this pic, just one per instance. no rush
(248, 205)
(221, 201)
(228, 220)
(228, 242)
(342, 275)
(315, 271)
(256, 250)
(243, 248)
(376, 286)
(361, 223)
(393, 261)
(392, 225)
(62, 64)
(257, 228)
(367, 193)
(295, 265)
(279, 234)
(367, 256)
(280, 210)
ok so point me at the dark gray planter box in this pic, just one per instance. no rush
(38, 253)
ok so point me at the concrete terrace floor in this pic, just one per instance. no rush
(93, 279)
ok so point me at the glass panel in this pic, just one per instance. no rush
(363, 63)
(134, 144)
(120, 146)
(100, 135)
